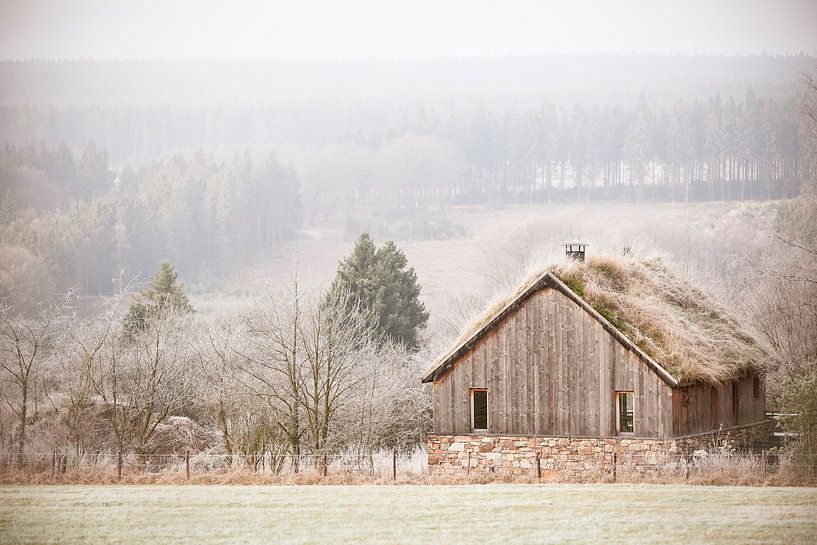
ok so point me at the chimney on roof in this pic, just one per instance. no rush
(575, 249)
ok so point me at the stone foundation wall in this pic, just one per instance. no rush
(565, 457)
(574, 458)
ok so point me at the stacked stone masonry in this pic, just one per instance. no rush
(571, 458)
(568, 457)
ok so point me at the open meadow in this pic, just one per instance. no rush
(407, 514)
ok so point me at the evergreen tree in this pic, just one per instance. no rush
(377, 281)
(164, 294)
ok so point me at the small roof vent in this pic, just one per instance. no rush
(575, 249)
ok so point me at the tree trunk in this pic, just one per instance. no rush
(21, 438)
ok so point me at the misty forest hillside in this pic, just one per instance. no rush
(228, 168)
(499, 247)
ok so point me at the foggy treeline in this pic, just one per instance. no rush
(71, 223)
(110, 166)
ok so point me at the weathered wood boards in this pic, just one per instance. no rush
(704, 407)
(551, 369)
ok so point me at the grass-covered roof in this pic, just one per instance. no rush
(673, 322)
(677, 325)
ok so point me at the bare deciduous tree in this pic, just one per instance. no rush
(335, 343)
(107, 374)
(140, 380)
(391, 409)
(271, 359)
(156, 384)
(83, 345)
(24, 344)
(218, 393)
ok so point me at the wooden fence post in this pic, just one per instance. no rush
(54, 464)
(394, 465)
(468, 467)
(615, 463)
(538, 466)
(119, 465)
(187, 465)
(325, 465)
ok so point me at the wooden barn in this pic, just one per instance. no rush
(600, 349)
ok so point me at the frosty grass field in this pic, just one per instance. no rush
(407, 514)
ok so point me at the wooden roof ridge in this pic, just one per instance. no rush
(546, 279)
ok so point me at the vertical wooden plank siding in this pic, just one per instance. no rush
(692, 406)
(535, 328)
(552, 369)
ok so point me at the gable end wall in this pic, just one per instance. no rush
(551, 369)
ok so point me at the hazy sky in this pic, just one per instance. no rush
(308, 29)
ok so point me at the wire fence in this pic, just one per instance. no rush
(391, 465)
(686, 465)
(377, 465)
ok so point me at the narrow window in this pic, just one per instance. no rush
(756, 387)
(625, 412)
(479, 410)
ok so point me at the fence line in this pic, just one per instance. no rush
(381, 464)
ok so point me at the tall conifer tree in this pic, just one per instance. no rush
(377, 281)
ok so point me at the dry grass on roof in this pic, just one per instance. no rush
(676, 324)
(673, 322)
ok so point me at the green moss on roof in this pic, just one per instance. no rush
(673, 322)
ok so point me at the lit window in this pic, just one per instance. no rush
(479, 410)
(625, 412)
